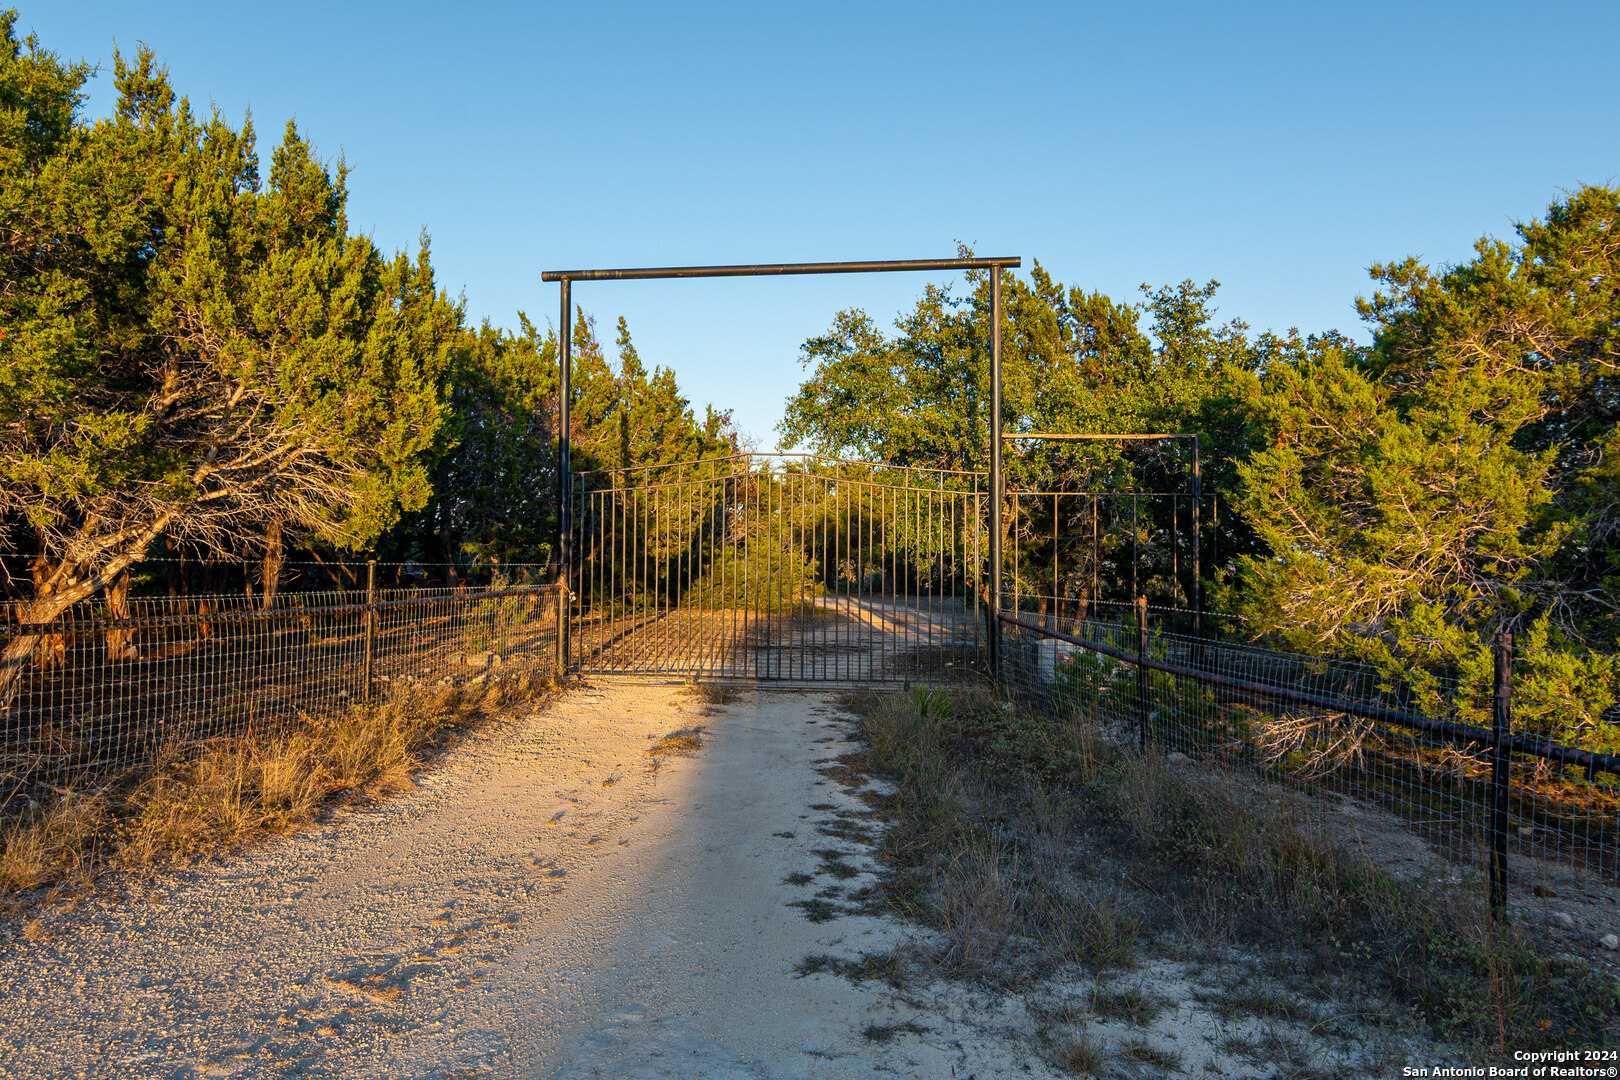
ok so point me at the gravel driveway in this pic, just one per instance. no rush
(544, 904)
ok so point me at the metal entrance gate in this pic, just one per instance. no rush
(780, 568)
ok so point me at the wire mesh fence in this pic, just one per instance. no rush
(177, 576)
(1470, 767)
(89, 697)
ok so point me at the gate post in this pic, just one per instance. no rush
(565, 478)
(1197, 556)
(1501, 729)
(560, 599)
(995, 474)
(1142, 683)
(371, 625)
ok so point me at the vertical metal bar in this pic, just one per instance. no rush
(995, 473)
(778, 556)
(841, 538)
(371, 624)
(1501, 729)
(727, 612)
(559, 601)
(1197, 556)
(1018, 593)
(644, 564)
(978, 564)
(1141, 671)
(565, 479)
(1096, 557)
(657, 531)
(773, 525)
(891, 552)
(806, 549)
(940, 510)
(793, 492)
(885, 495)
(746, 577)
(1175, 554)
(915, 607)
(699, 498)
(1136, 548)
(1054, 623)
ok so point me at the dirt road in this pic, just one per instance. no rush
(545, 904)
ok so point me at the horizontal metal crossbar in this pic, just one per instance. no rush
(1063, 436)
(776, 455)
(779, 269)
(274, 614)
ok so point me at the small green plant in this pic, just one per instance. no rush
(1132, 1005)
(1081, 1053)
(888, 967)
(1145, 1052)
(882, 1033)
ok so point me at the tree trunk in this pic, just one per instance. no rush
(57, 587)
(51, 649)
(274, 557)
(120, 640)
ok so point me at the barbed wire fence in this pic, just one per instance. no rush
(92, 698)
(1523, 818)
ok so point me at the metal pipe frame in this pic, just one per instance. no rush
(1060, 436)
(565, 361)
(997, 479)
(778, 269)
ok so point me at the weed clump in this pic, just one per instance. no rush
(684, 741)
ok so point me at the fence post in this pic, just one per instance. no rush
(997, 480)
(560, 598)
(1197, 556)
(371, 623)
(1141, 671)
(1501, 729)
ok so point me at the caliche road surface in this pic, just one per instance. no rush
(544, 904)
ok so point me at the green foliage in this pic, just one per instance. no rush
(764, 576)
(627, 418)
(495, 476)
(189, 348)
(1455, 481)
(194, 350)
(1074, 362)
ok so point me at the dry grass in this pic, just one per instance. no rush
(225, 794)
(1081, 1054)
(1029, 844)
(684, 741)
(679, 743)
(714, 696)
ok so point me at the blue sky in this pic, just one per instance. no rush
(1279, 148)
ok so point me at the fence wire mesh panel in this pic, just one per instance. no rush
(1518, 793)
(781, 568)
(90, 696)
